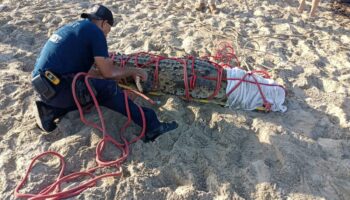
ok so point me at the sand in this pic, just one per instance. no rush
(216, 153)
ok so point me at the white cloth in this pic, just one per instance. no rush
(247, 96)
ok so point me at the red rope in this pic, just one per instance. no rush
(194, 76)
(224, 55)
(53, 190)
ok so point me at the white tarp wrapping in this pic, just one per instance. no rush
(247, 96)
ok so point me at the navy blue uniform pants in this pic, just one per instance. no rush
(108, 95)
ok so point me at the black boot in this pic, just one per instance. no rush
(162, 128)
(45, 116)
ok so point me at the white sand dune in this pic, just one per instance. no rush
(215, 153)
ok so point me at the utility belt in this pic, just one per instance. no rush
(46, 84)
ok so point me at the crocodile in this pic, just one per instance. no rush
(201, 79)
(171, 75)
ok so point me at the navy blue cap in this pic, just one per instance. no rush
(100, 12)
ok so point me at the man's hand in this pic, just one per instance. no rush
(109, 71)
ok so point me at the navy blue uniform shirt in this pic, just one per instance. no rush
(72, 48)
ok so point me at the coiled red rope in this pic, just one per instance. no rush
(53, 191)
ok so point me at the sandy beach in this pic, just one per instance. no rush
(215, 153)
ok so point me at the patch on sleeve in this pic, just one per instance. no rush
(55, 38)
